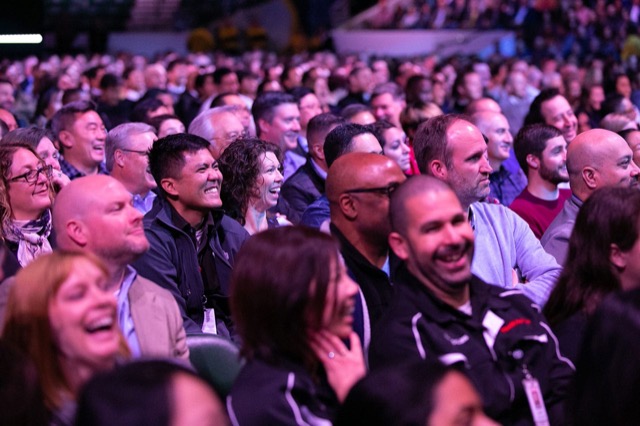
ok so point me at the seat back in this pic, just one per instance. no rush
(216, 359)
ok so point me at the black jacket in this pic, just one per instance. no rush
(504, 333)
(300, 190)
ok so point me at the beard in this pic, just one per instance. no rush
(552, 175)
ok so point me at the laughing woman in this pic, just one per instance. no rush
(298, 369)
(25, 201)
(252, 181)
(62, 317)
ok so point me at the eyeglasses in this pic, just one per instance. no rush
(31, 176)
(385, 190)
(136, 151)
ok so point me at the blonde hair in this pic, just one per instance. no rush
(27, 324)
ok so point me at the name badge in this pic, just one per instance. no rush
(536, 401)
(209, 324)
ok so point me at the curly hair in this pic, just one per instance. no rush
(240, 166)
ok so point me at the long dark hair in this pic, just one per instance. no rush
(278, 292)
(609, 216)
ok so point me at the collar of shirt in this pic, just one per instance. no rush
(318, 170)
(124, 311)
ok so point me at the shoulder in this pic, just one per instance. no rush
(232, 227)
(145, 286)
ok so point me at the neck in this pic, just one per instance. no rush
(255, 221)
(495, 164)
(86, 169)
(193, 217)
(455, 296)
(320, 163)
(116, 275)
(541, 188)
(375, 250)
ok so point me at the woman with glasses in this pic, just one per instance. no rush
(252, 181)
(25, 202)
(41, 141)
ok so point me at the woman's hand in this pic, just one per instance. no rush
(344, 366)
(59, 180)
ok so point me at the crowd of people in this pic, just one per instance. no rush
(428, 241)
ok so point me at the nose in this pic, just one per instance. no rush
(485, 167)
(214, 174)
(103, 298)
(509, 137)
(296, 125)
(279, 176)
(634, 170)
(350, 287)
(452, 234)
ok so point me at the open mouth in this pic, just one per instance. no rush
(100, 325)
(213, 190)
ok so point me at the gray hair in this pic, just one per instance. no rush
(201, 125)
(118, 136)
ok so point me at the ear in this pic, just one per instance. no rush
(438, 169)
(617, 257)
(66, 138)
(263, 126)
(533, 162)
(118, 158)
(77, 232)
(169, 186)
(348, 206)
(318, 151)
(590, 177)
(398, 245)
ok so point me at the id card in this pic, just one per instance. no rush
(536, 401)
(209, 324)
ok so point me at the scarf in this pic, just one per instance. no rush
(31, 236)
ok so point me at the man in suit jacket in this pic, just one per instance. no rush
(95, 213)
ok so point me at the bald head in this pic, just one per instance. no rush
(95, 213)
(414, 187)
(598, 158)
(482, 104)
(358, 187)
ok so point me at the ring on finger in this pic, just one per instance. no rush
(331, 355)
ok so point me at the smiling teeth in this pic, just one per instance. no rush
(106, 322)
(210, 190)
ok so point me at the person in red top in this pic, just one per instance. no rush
(541, 151)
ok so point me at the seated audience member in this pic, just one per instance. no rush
(309, 107)
(148, 108)
(419, 393)
(4, 129)
(22, 401)
(394, 143)
(9, 119)
(219, 126)
(542, 153)
(415, 114)
(387, 102)
(601, 259)
(166, 125)
(551, 108)
(127, 161)
(358, 188)
(616, 122)
(237, 105)
(307, 183)
(193, 244)
(153, 392)
(81, 134)
(277, 119)
(298, 369)
(504, 184)
(341, 140)
(606, 380)
(61, 315)
(509, 255)
(632, 136)
(441, 312)
(596, 158)
(25, 202)
(40, 140)
(94, 214)
(252, 182)
(358, 114)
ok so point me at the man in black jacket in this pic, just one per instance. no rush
(193, 244)
(442, 312)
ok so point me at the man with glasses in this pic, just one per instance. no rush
(508, 254)
(359, 185)
(127, 161)
(220, 126)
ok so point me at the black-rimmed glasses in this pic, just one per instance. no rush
(31, 176)
(384, 190)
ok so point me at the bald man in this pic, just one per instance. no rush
(96, 214)
(358, 187)
(505, 185)
(595, 159)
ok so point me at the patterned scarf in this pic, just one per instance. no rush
(31, 236)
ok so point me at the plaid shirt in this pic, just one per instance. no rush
(74, 173)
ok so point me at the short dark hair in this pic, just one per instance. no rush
(282, 266)
(141, 111)
(430, 141)
(612, 103)
(132, 394)
(219, 73)
(320, 124)
(391, 88)
(352, 110)
(535, 109)
(240, 167)
(300, 92)
(108, 81)
(532, 139)
(64, 118)
(201, 79)
(219, 99)
(338, 141)
(166, 157)
(378, 128)
(265, 104)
